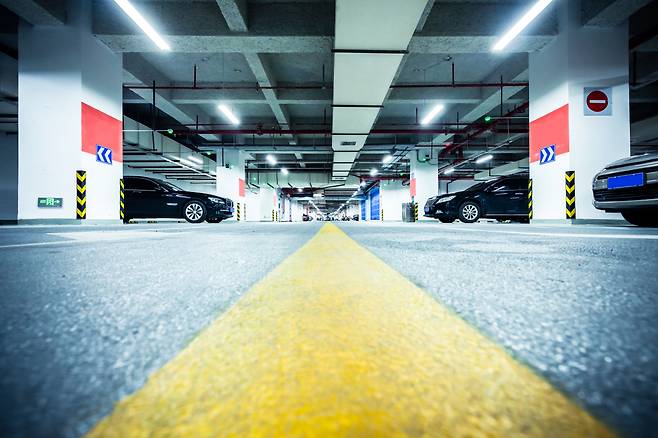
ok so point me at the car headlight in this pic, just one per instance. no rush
(446, 199)
(216, 200)
(599, 184)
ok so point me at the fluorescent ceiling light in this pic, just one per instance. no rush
(317, 195)
(229, 114)
(373, 172)
(449, 171)
(270, 159)
(135, 16)
(299, 190)
(529, 16)
(432, 114)
(284, 171)
(387, 159)
(484, 159)
(195, 159)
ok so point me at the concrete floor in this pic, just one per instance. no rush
(88, 313)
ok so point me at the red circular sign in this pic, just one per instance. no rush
(597, 101)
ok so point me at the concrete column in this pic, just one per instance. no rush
(424, 182)
(70, 101)
(561, 76)
(392, 195)
(231, 180)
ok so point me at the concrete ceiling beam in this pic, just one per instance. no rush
(32, 12)
(235, 14)
(265, 78)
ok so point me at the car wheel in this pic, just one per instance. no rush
(194, 212)
(641, 218)
(446, 220)
(469, 212)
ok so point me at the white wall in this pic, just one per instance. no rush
(230, 169)
(9, 177)
(392, 194)
(427, 184)
(60, 68)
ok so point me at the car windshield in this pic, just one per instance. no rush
(476, 187)
(171, 186)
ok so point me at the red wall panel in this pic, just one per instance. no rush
(100, 128)
(551, 129)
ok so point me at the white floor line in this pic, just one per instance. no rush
(578, 235)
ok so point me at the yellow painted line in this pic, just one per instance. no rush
(334, 342)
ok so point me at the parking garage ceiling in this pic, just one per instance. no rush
(272, 63)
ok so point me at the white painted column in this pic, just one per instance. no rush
(392, 195)
(70, 100)
(424, 183)
(231, 180)
(579, 58)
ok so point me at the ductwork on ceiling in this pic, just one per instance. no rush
(371, 39)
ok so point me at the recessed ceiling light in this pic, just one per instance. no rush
(432, 114)
(228, 114)
(373, 172)
(270, 159)
(529, 16)
(284, 171)
(135, 16)
(387, 159)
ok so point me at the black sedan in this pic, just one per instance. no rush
(629, 187)
(504, 199)
(153, 198)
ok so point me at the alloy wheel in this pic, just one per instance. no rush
(194, 211)
(470, 212)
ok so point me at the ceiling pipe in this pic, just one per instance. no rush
(323, 87)
(482, 129)
(328, 131)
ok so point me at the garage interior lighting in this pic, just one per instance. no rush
(373, 172)
(270, 159)
(449, 171)
(135, 16)
(521, 24)
(195, 159)
(229, 114)
(432, 114)
(188, 162)
(387, 159)
(284, 171)
(363, 184)
(484, 159)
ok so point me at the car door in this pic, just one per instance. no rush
(144, 198)
(499, 199)
(518, 196)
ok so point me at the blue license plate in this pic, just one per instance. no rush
(621, 182)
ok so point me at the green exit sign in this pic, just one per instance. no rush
(49, 202)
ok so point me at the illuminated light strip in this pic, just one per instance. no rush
(432, 114)
(317, 348)
(135, 16)
(521, 24)
(229, 114)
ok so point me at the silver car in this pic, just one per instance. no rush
(630, 187)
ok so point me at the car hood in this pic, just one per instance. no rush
(637, 159)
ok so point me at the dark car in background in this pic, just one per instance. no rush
(154, 198)
(504, 199)
(630, 187)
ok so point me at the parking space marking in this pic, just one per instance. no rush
(543, 234)
(334, 342)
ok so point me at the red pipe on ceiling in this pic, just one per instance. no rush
(328, 131)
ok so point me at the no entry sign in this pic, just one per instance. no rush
(598, 101)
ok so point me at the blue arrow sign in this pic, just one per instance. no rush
(103, 154)
(547, 154)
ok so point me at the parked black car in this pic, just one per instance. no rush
(630, 187)
(504, 199)
(153, 198)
